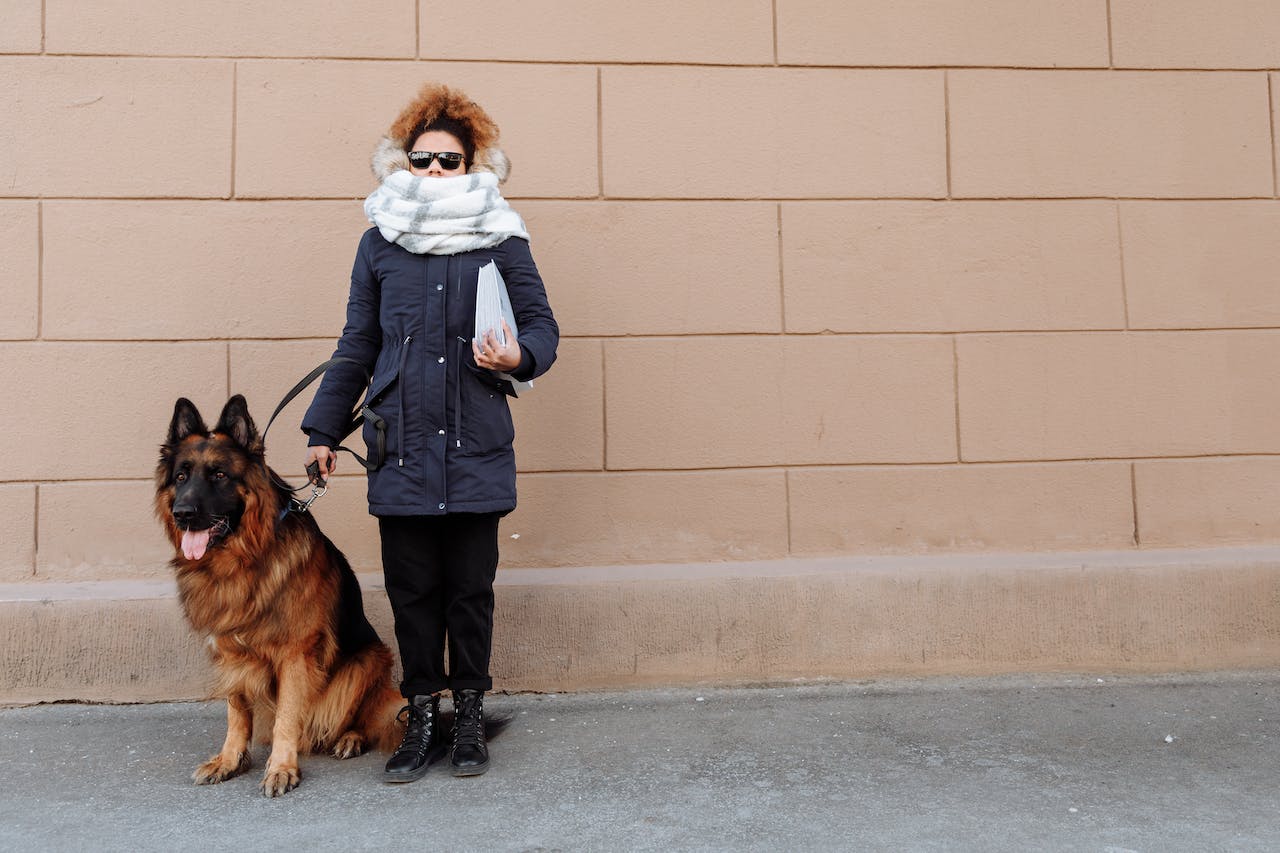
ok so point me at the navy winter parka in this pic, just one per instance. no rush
(410, 320)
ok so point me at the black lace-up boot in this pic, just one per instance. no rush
(422, 743)
(470, 756)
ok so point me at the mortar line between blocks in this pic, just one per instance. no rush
(782, 282)
(417, 29)
(660, 337)
(44, 17)
(35, 534)
(684, 63)
(235, 77)
(39, 269)
(786, 491)
(1111, 49)
(1271, 112)
(946, 123)
(661, 199)
(600, 131)
(1124, 285)
(775, 32)
(955, 385)
(1133, 492)
(604, 407)
(228, 394)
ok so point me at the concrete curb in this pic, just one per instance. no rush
(730, 623)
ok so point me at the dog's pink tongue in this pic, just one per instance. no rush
(194, 543)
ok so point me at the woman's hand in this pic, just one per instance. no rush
(327, 459)
(492, 356)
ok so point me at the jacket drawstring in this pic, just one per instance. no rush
(404, 356)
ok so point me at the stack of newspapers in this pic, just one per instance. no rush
(492, 305)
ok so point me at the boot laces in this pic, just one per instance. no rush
(468, 726)
(418, 725)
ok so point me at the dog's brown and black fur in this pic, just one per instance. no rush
(281, 608)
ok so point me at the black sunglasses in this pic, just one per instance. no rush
(448, 160)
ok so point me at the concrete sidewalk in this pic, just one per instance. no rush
(1029, 763)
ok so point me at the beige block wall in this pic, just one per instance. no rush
(943, 32)
(19, 269)
(131, 117)
(682, 132)
(22, 30)
(1202, 264)
(833, 278)
(305, 129)
(1196, 33)
(18, 532)
(355, 28)
(1067, 134)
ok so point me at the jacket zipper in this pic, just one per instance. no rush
(443, 308)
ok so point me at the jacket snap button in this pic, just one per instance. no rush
(440, 359)
(442, 506)
(439, 287)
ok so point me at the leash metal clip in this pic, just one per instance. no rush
(302, 506)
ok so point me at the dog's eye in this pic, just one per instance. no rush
(219, 475)
(181, 477)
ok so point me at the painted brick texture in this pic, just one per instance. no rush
(802, 400)
(927, 267)
(694, 31)
(17, 532)
(21, 33)
(774, 133)
(306, 129)
(363, 28)
(943, 32)
(1109, 133)
(660, 268)
(100, 410)
(219, 269)
(1113, 395)
(909, 509)
(132, 119)
(1202, 264)
(1196, 33)
(834, 278)
(19, 269)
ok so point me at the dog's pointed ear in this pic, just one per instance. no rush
(236, 424)
(186, 421)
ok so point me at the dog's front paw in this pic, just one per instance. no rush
(349, 745)
(280, 780)
(220, 768)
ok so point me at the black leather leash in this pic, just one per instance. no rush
(356, 421)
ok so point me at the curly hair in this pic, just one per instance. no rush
(437, 101)
(438, 107)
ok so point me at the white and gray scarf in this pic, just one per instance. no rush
(443, 216)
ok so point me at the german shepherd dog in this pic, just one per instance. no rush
(293, 651)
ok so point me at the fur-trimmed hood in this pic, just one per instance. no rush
(433, 101)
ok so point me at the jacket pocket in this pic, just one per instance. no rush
(382, 383)
(385, 403)
(486, 417)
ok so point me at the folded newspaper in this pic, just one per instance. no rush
(493, 303)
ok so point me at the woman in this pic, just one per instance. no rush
(437, 404)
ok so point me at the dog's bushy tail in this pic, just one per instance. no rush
(387, 729)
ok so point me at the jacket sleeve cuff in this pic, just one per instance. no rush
(528, 365)
(317, 439)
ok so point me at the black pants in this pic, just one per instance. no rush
(439, 571)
